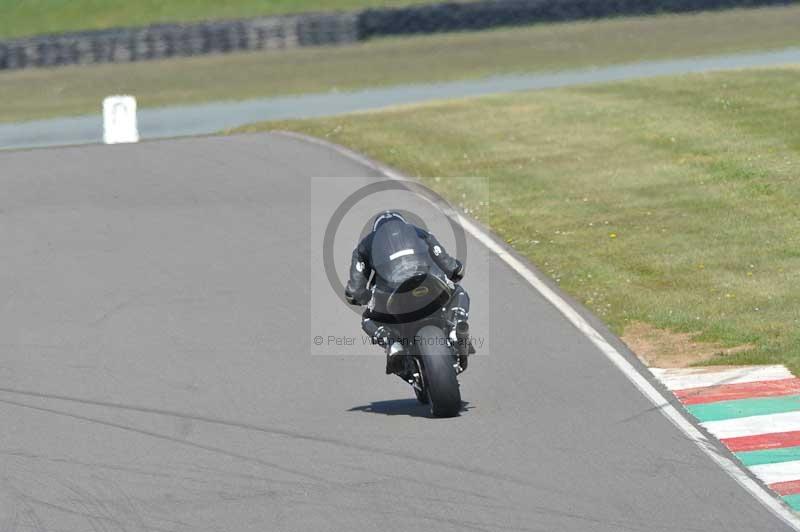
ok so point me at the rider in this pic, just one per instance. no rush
(395, 251)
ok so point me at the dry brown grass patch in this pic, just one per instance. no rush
(659, 348)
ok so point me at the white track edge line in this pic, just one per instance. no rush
(761, 494)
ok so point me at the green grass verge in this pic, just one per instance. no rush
(32, 17)
(31, 94)
(670, 201)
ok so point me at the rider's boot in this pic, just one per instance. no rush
(395, 358)
(459, 337)
(380, 336)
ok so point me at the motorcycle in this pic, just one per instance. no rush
(430, 340)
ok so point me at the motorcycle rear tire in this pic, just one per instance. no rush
(422, 391)
(441, 382)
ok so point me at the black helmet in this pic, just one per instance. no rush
(386, 216)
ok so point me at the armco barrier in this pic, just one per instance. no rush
(270, 33)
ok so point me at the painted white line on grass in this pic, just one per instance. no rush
(645, 387)
(685, 378)
(779, 472)
(754, 425)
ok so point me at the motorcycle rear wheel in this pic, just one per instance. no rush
(421, 393)
(439, 374)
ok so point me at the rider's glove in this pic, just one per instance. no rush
(360, 297)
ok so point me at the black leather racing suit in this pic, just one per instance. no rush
(369, 257)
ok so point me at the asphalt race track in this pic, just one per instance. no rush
(157, 371)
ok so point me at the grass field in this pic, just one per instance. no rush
(20, 18)
(34, 94)
(669, 202)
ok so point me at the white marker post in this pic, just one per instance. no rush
(119, 120)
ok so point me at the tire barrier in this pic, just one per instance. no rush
(321, 29)
(460, 16)
(178, 40)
